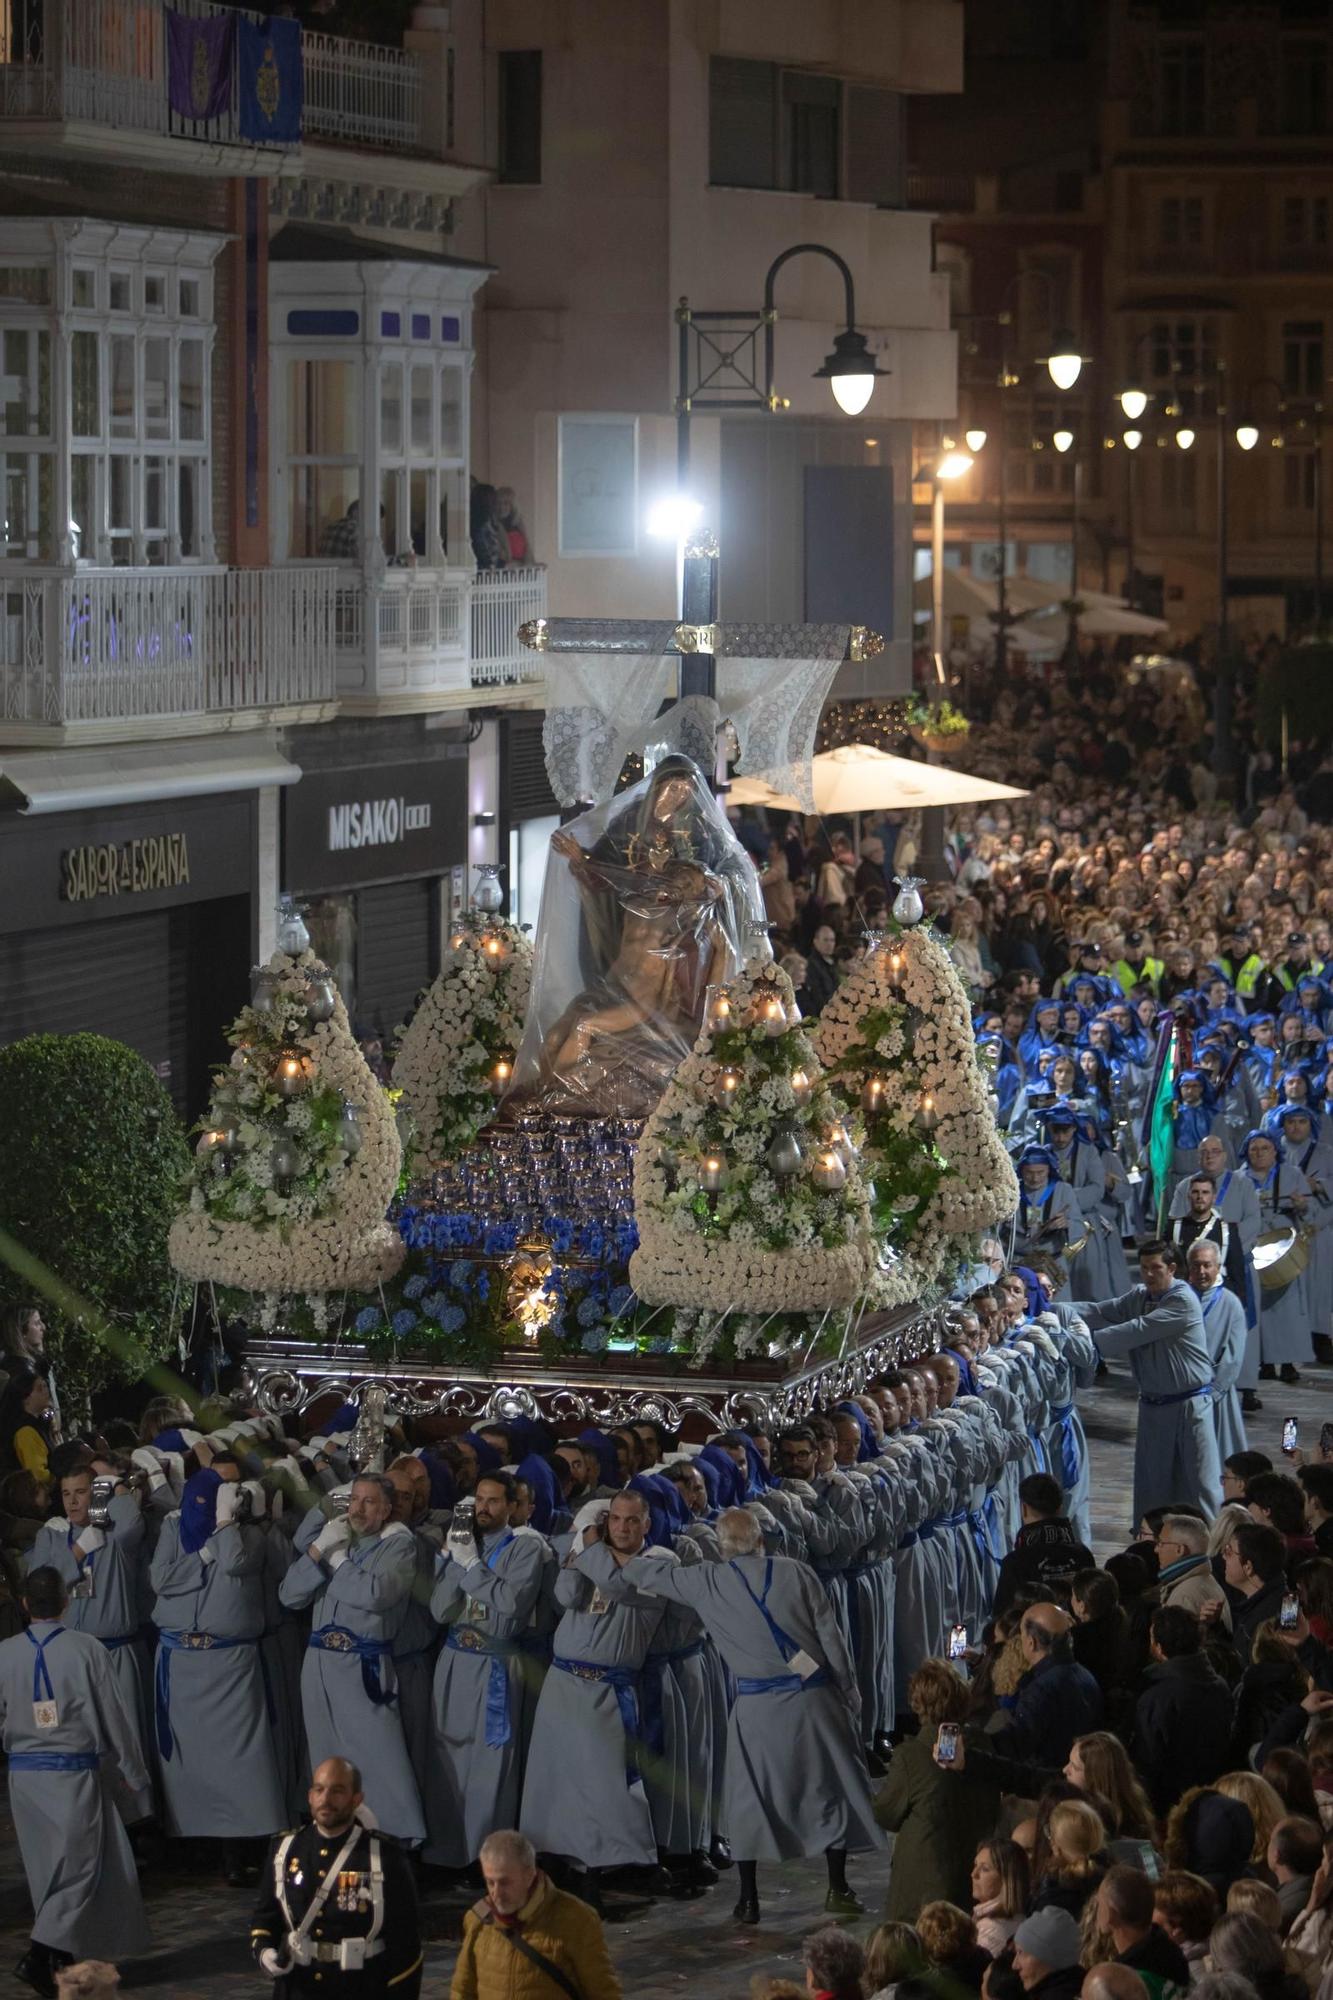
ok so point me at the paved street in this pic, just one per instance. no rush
(667, 1948)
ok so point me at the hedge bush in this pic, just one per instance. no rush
(92, 1160)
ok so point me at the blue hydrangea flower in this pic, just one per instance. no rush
(483, 1284)
(403, 1321)
(367, 1319)
(591, 1311)
(415, 1287)
(561, 1232)
(595, 1339)
(460, 1274)
(621, 1299)
(452, 1318)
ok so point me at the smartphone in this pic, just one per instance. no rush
(958, 1643)
(946, 1743)
(1290, 1430)
(1289, 1617)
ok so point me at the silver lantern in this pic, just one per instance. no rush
(907, 905)
(293, 937)
(488, 895)
(263, 988)
(284, 1159)
(786, 1154)
(321, 997)
(349, 1129)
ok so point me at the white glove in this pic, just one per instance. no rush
(273, 1963)
(150, 1462)
(259, 1495)
(461, 1544)
(334, 1535)
(1049, 1319)
(801, 1487)
(90, 1538)
(229, 1495)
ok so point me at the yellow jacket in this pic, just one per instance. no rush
(557, 1925)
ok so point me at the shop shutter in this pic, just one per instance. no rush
(527, 789)
(396, 952)
(110, 978)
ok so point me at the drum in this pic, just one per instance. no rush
(1280, 1255)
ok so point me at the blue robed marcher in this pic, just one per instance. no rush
(355, 1586)
(1162, 1337)
(215, 1741)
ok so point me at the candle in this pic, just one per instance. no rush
(212, 1141)
(712, 1167)
(802, 1089)
(502, 1070)
(725, 1087)
(492, 947)
(773, 1015)
(838, 1140)
(458, 940)
(719, 1011)
(291, 1073)
(872, 1093)
(927, 1117)
(828, 1172)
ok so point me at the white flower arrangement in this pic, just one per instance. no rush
(761, 1242)
(471, 1018)
(323, 1228)
(930, 1143)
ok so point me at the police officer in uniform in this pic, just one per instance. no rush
(338, 1911)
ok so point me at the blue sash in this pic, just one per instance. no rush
(1063, 1414)
(625, 1682)
(337, 1639)
(54, 1760)
(467, 1639)
(781, 1683)
(179, 1642)
(42, 1689)
(1038, 1443)
(1180, 1396)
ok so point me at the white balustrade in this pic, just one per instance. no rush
(502, 600)
(104, 62)
(124, 645)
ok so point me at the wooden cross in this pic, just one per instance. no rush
(697, 636)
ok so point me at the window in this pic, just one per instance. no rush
(26, 445)
(324, 457)
(1303, 357)
(1298, 480)
(520, 116)
(1305, 221)
(1184, 349)
(803, 132)
(1182, 88)
(1046, 299)
(599, 470)
(1304, 84)
(812, 133)
(421, 467)
(1180, 222)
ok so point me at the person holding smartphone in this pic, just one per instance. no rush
(937, 1824)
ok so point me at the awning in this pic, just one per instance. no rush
(46, 781)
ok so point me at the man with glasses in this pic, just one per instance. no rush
(1184, 1573)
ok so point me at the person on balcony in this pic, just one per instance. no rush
(490, 543)
(511, 521)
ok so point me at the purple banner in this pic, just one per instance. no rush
(199, 64)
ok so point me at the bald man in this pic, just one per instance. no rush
(365, 1939)
(1057, 1698)
(1113, 1982)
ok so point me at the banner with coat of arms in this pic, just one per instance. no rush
(268, 72)
(199, 57)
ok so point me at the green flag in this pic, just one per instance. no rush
(1162, 1129)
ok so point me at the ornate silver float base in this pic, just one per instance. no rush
(288, 1376)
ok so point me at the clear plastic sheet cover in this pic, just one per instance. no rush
(646, 901)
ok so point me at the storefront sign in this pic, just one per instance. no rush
(69, 868)
(374, 823)
(131, 869)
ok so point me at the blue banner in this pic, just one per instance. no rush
(270, 81)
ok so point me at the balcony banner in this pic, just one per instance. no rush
(268, 68)
(199, 64)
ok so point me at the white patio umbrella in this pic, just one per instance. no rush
(857, 778)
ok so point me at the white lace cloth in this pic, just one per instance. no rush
(601, 707)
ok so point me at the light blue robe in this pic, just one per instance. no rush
(476, 1750)
(1175, 1449)
(1237, 1204)
(76, 1854)
(111, 1612)
(1066, 1441)
(220, 1778)
(1284, 1316)
(362, 1596)
(1224, 1327)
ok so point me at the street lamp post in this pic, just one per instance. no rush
(1064, 442)
(724, 350)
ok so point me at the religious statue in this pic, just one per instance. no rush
(647, 901)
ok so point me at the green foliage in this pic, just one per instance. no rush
(90, 1175)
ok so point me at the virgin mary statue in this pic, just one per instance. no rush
(647, 901)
